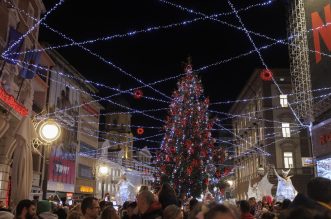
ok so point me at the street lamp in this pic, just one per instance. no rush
(103, 173)
(48, 130)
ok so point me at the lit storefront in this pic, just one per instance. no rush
(321, 138)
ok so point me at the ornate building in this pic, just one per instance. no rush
(21, 96)
(267, 134)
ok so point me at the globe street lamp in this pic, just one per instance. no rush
(103, 173)
(48, 131)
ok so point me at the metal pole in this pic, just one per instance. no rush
(102, 188)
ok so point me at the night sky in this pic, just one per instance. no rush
(159, 54)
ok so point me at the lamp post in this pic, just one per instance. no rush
(48, 131)
(103, 173)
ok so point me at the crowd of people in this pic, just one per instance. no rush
(165, 204)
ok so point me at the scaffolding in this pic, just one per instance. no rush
(299, 61)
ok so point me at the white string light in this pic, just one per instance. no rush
(32, 28)
(131, 33)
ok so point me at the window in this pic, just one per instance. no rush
(286, 130)
(288, 160)
(283, 100)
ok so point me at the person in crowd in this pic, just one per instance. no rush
(244, 210)
(196, 210)
(303, 213)
(90, 208)
(219, 211)
(252, 204)
(109, 213)
(74, 215)
(130, 210)
(319, 190)
(286, 204)
(102, 205)
(268, 215)
(143, 188)
(167, 196)
(44, 210)
(6, 215)
(123, 211)
(148, 207)
(193, 203)
(172, 212)
(25, 209)
(61, 213)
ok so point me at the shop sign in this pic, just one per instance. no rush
(307, 161)
(86, 189)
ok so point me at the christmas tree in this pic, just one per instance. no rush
(187, 150)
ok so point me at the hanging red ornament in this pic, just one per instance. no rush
(140, 131)
(218, 173)
(222, 191)
(203, 153)
(167, 158)
(226, 171)
(188, 143)
(172, 149)
(138, 94)
(195, 163)
(189, 170)
(207, 101)
(266, 75)
(191, 150)
(178, 132)
(206, 181)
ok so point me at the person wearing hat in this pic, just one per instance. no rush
(44, 209)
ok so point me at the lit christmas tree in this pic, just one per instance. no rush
(188, 157)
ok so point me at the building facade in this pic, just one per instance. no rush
(267, 134)
(71, 169)
(20, 96)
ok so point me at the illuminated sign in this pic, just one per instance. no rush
(10, 101)
(86, 189)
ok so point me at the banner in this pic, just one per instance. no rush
(318, 19)
(62, 166)
(31, 60)
(14, 36)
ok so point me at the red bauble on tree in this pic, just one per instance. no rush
(189, 170)
(195, 163)
(188, 143)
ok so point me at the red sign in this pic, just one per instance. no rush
(318, 19)
(62, 167)
(325, 138)
(10, 101)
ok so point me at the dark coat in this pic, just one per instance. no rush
(154, 212)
